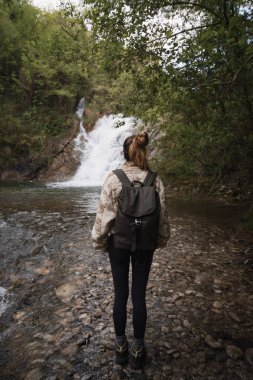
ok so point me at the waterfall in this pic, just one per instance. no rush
(82, 136)
(101, 149)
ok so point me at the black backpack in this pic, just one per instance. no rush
(137, 220)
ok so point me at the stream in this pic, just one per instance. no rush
(56, 291)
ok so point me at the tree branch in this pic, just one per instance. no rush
(240, 69)
(197, 5)
(68, 32)
(194, 28)
(225, 14)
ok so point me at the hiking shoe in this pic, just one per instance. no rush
(138, 357)
(121, 353)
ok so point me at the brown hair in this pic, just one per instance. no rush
(135, 150)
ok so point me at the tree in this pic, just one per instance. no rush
(201, 89)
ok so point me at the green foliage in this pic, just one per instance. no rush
(193, 83)
(45, 61)
(192, 86)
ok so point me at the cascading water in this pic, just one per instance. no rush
(101, 149)
(82, 136)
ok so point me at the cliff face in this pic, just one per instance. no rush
(64, 159)
(57, 161)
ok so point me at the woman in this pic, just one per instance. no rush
(136, 168)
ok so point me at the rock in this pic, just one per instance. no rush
(71, 350)
(165, 329)
(66, 337)
(166, 368)
(167, 345)
(234, 352)
(19, 315)
(49, 338)
(200, 357)
(188, 292)
(86, 377)
(234, 316)
(65, 292)
(249, 356)
(98, 313)
(34, 374)
(186, 324)
(211, 342)
(85, 318)
(230, 363)
(42, 271)
(221, 356)
(66, 321)
(217, 305)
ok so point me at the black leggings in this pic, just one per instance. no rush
(141, 263)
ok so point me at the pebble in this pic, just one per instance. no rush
(234, 316)
(165, 330)
(70, 350)
(65, 292)
(86, 377)
(186, 324)
(188, 292)
(34, 374)
(211, 342)
(167, 345)
(221, 356)
(230, 363)
(217, 305)
(200, 357)
(249, 356)
(167, 368)
(98, 313)
(234, 352)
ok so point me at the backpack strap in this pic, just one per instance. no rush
(122, 177)
(150, 178)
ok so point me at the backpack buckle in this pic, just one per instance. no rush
(137, 221)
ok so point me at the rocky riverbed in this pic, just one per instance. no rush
(200, 309)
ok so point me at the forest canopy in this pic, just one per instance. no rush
(183, 67)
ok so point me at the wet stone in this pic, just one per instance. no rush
(71, 350)
(221, 356)
(186, 324)
(165, 329)
(211, 342)
(217, 305)
(34, 374)
(86, 377)
(249, 356)
(230, 363)
(234, 352)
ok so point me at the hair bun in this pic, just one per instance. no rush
(142, 139)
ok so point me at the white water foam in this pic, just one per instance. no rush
(4, 301)
(102, 150)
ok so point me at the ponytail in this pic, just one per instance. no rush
(135, 150)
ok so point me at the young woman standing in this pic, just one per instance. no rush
(136, 168)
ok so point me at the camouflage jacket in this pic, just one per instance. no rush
(108, 205)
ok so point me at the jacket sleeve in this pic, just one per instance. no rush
(105, 217)
(164, 227)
